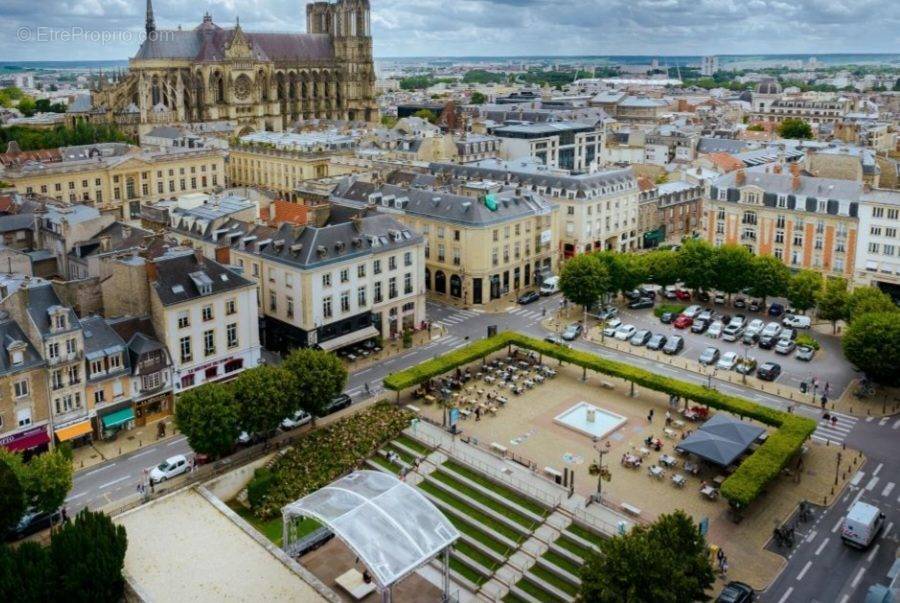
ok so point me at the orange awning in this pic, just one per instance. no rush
(73, 431)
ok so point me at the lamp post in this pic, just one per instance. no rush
(709, 375)
(602, 450)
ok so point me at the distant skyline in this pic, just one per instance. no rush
(111, 29)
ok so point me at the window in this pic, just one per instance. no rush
(185, 345)
(456, 258)
(407, 257)
(74, 374)
(99, 396)
(893, 213)
(23, 416)
(392, 287)
(53, 350)
(272, 275)
(377, 294)
(442, 252)
(376, 267)
(231, 335)
(440, 232)
(345, 275)
(497, 235)
(231, 307)
(184, 320)
(326, 307)
(209, 342)
(392, 262)
(326, 279)
(345, 301)
(288, 279)
(71, 346)
(207, 313)
(151, 381)
(20, 388)
(97, 367)
(290, 307)
(56, 380)
(361, 271)
(407, 283)
(361, 297)
(59, 321)
(273, 302)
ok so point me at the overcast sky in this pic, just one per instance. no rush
(75, 29)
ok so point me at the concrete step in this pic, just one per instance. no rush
(468, 519)
(514, 525)
(496, 496)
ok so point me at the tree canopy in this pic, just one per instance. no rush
(768, 277)
(804, 289)
(319, 377)
(477, 98)
(265, 395)
(584, 279)
(872, 344)
(45, 480)
(796, 128)
(730, 266)
(32, 139)
(832, 304)
(12, 497)
(88, 555)
(209, 416)
(863, 300)
(696, 259)
(662, 267)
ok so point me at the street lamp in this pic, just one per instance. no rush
(709, 375)
(602, 450)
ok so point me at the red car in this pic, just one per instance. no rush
(683, 295)
(683, 322)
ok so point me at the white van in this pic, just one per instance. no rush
(550, 285)
(862, 525)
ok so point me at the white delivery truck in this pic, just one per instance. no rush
(550, 285)
(862, 525)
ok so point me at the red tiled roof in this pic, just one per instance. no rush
(725, 162)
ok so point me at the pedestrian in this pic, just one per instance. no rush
(152, 487)
(725, 566)
(544, 311)
(367, 389)
(668, 418)
(140, 487)
(824, 401)
(720, 554)
(651, 414)
(827, 388)
(833, 420)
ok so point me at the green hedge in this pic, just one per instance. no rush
(741, 488)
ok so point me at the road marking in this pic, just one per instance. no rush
(178, 441)
(115, 481)
(869, 419)
(364, 371)
(804, 570)
(822, 546)
(873, 553)
(103, 468)
(871, 483)
(140, 454)
(896, 424)
(887, 529)
(858, 577)
(887, 489)
(786, 595)
(837, 525)
(74, 496)
(883, 422)
(878, 468)
(812, 536)
(857, 478)
(845, 598)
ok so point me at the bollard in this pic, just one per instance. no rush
(825, 501)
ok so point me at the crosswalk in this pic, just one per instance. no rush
(447, 341)
(456, 318)
(836, 432)
(526, 313)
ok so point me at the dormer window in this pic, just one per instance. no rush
(59, 321)
(18, 357)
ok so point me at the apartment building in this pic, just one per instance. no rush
(151, 369)
(596, 210)
(878, 251)
(24, 404)
(116, 178)
(805, 222)
(669, 212)
(815, 109)
(206, 315)
(557, 144)
(107, 378)
(483, 240)
(93, 257)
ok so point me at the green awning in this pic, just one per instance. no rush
(117, 418)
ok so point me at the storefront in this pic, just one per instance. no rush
(114, 421)
(77, 434)
(153, 408)
(29, 442)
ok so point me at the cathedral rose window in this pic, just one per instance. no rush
(242, 87)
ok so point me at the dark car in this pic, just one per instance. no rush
(641, 303)
(754, 305)
(667, 317)
(657, 342)
(768, 371)
(709, 356)
(776, 310)
(32, 523)
(529, 297)
(739, 302)
(768, 342)
(704, 296)
(647, 292)
(339, 402)
(633, 294)
(750, 337)
(699, 326)
(736, 592)
(674, 345)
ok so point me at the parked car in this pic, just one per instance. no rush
(667, 317)
(709, 355)
(755, 305)
(674, 345)
(727, 361)
(715, 329)
(797, 321)
(745, 366)
(641, 303)
(550, 285)
(611, 325)
(647, 291)
(555, 339)
(776, 309)
(738, 320)
(756, 326)
(699, 326)
(625, 332)
(769, 371)
(788, 334)
(703, 296)
(573, 331)
(31, 523)
(683, 295)
(607, 313)
(692, 311)
(705, 315)
(670, 292)
(773, 329)
(339, 402)
(739, 302)
(683, 321)
(719, 299)
(641, 337)
(736, 592)
(633, 294)
(657, 342)
(528, 297)
(767, 342)
(805, 352)
(169, 468)
(862, 525)
(785, 346)
(296, 420)
(750, 337)
(732, 332)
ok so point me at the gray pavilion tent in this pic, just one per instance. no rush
(721, 440)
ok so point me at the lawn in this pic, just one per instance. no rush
(475, 555)
(413, 444)
(573, 547)
(535, 590)
(554, 580)
(584, 533)
(675, 309)
(484, 499)
(472, 512)
(563, 563)
(522, 501)
(467, 572)
(481, 536)
(383, 462)
(271, 528)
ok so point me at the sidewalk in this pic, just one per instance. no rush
(100, 451)
(884, 402)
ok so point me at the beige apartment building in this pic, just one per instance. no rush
(483, 240)
(116, 177)
(24, 405)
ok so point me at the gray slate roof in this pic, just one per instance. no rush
(11, 332)
(174, 284)
(40, 299)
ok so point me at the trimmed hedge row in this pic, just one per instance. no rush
(741, 488)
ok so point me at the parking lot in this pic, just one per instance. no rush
(828, 364)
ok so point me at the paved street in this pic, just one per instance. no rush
(833, 572)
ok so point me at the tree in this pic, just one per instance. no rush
(477, 98)
(88, 555)
(696, 261)
(662, 267)
(389, 121)
(12, 498)
(265, 396)
(26, 573)
(426, 114)
(795, 128)
(756, 128)
(319, 377)
(666, 561)
(626, 270)
(833, 301)
(47, 480)
(768, 277)
(730, 265)
(872, 344)
(208, 415)
(804, 289)
(584, 279)
(868, 299)
(27, 106)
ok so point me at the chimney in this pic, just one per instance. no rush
(152, 272)
(740, 178)
(777, 168)
(795, 169)
(795, 182)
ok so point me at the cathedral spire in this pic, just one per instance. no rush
(150, 23)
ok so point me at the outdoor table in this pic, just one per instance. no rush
(539, 378)
(678, 424)
(365, 353)
(465, 413)
(670, 433)
(717, 480)
(502, 400)
(692, 468)
(668, 461)
(489, 379)
(351, 357)
(644, 452)
(524, 364)
(709, 492)
(479, 375)
(430, 399)
(632, 461)
(528, 383)
(679, 480)
(657, 472)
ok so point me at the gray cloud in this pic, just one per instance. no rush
(110, 29)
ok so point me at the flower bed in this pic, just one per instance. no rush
(323, 455)
(741, 488)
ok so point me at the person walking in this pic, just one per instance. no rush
(650, 416)
(834, 420)
(725, 566)
(824, 401)
(368, 391)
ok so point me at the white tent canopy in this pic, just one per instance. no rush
(388, 524)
